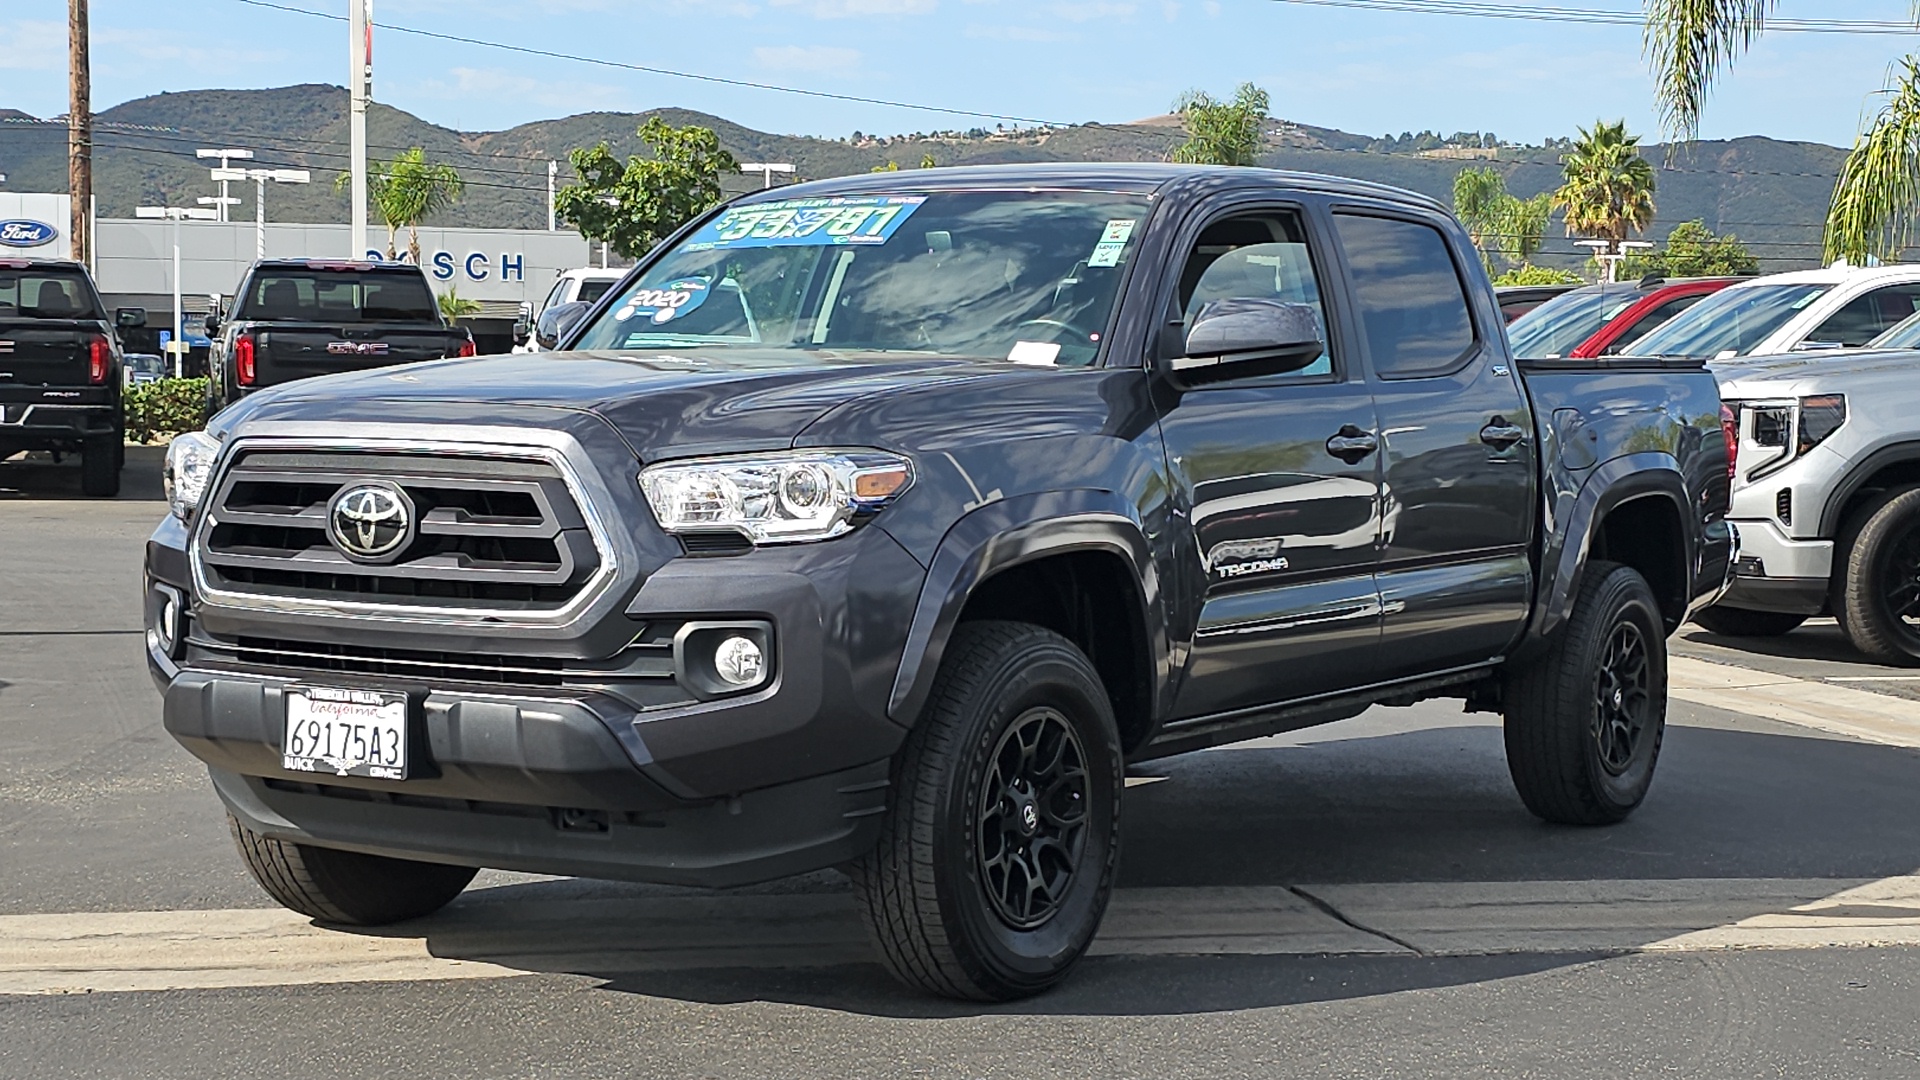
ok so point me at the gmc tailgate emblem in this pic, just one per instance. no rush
(357, 348)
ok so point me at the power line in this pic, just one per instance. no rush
(1594, 16)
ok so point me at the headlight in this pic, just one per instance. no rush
(1820, 417)
(189, 465)
(779, 498)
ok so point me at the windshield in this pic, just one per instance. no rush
(1558, 326)
(1027, 277)
(46, 294)
(592, 290)
(332, 296)
(1730, 322)
(1902, 335)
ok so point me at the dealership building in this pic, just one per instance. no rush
(500, 269)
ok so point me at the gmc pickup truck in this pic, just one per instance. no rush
(882, 522)
(297, 318)
(60, 366)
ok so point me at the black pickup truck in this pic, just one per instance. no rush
(297, 318)
(882, 522)
(60, 369)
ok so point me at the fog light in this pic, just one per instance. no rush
(739, 662)
(168, 619)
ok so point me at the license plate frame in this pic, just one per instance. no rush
(346, 731)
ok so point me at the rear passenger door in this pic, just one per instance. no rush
(1457, 444)
(1865, 317)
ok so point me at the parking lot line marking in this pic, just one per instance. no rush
(1862, 714)
(1873, 678)
(491, 935)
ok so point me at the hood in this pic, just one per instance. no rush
(1791, 373)
(666, 403)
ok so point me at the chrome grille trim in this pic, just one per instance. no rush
(519, 448)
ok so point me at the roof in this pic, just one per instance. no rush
(28, 260)
(1835, 275)
(1142, 177)
(332, 264)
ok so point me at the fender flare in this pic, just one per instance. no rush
(1857, 477)
(1007, 533)
(1621, 480)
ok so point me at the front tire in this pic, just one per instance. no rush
(997, 855)
(347, 887)
(1585, 720)
(1746, 622)
(1878, 601)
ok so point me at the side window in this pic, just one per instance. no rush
(1652, 320)
(1255, 256)
(559, 288)
(1410, 297)
(1866, 316)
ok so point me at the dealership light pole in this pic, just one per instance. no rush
(177, 346)
(227, 158)
(553, 172)
(766, 169)
(359, 89)
(260, 178)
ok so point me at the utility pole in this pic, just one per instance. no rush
(359, 89)
(79, 134)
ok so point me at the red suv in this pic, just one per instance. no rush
(1605, 320)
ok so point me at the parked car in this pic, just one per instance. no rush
(60, 369)
(143, 368)
(1839, 307)
(1517, 300)
(1607, 319)
(974, 486)
(297, 318)
(1827, 498)
(582, 286)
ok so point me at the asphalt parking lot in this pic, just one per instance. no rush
(1366, 899)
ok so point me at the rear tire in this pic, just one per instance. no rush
(1746, 622)
(1011, 777)
(1878, 599)
(100, 462)
(1584, 722)
(347, 887)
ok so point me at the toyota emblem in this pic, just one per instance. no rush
(370, 522)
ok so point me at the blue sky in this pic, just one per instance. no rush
(1062, 60)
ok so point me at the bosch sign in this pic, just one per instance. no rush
(474, 266)
(22, 233)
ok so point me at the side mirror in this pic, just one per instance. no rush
(130, 318)
(213, 323)
(1241, 337)
(556, 322)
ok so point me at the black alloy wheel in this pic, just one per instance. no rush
(1900, 582)
(1876, 594)
(1033, 818)
(1622, 703)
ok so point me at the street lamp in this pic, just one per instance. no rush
(260, 178)
(1604, 254)
(175, 214)
(766, 169)
(227, 158)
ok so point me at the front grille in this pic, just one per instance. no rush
(649, 657)
(494, 533)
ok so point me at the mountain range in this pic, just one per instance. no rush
(1772, 194)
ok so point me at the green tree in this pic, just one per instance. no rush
(1694, 251)
(1539, 275)
(927, 162)
(405, 192)
(1222, 132)
(1498, 222)
(454, 306)
(1876, 202)
(1608, 193)
(635, 205)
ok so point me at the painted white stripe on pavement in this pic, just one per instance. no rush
(488, 937)
(1822, 706)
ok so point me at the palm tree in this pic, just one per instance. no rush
(1479, 201)
(1876, 202)
(1608, 192)
(406, 191)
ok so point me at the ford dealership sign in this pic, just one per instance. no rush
(22, 233)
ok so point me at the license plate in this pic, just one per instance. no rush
(345, 732)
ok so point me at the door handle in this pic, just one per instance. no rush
(1500, 434)
(1351, 445)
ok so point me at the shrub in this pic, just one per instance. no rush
(164, 409)
(1539, 275)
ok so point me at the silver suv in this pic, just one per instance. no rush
(1826, 495)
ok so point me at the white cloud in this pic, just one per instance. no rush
(1170, 10)
(807, 58)
(1003, 32)
(848, 9)
(29, 45)
(1080, 11)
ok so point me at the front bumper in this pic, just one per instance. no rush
(1776, 572)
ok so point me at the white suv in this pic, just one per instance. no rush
(1826, 495)
(588, 284)
(1838, 307)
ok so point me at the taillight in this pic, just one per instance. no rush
(1730, 431)
(243, 369)
(99, 360)
(467, 348)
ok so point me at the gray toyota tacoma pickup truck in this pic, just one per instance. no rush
(881, 522)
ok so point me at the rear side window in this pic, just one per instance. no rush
(1867, 316)
(1411, 300)
(1651, 321)
(46, 294)
(593, 290)
(337, 297)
